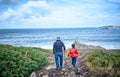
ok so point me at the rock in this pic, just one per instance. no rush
(33, 74)
(51, 67)
(81, 46)
(63, 69)
(72, 74)
(40, 74)
(45, 76)
(62, 72)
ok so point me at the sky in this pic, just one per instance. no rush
(58, 13)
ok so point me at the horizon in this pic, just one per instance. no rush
(54, 28)
(16, 14)
(58, 27)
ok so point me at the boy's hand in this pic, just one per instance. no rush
(67, 55)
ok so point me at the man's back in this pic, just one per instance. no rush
(57, 47)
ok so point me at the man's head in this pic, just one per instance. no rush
(58, 38)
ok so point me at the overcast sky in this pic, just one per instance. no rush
(58, 13)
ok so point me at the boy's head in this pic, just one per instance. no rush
(73, 45)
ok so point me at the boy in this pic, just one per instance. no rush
(73, 53)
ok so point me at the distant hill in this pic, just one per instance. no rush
(110, 27)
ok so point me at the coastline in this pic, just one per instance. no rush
(79, 45)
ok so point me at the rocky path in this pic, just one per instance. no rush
(66, 71)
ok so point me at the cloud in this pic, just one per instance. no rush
(69, 13)
(9, 14)
(30, 9)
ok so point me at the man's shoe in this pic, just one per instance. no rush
(60, 68)
(57, 68)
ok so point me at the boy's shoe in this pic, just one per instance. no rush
(73, 68)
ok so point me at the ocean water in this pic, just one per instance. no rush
(44, 38)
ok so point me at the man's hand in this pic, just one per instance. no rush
(53, 52)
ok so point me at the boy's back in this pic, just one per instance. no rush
(73, 53)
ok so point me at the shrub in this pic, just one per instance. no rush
(104, 61)
(20, 61)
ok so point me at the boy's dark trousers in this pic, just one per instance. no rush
(74, 62)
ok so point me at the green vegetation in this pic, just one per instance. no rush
(104, 62)
(21, 61)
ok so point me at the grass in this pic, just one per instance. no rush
(101, 63)
(21, 61)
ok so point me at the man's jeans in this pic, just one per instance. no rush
(74, 62)
(58, 59)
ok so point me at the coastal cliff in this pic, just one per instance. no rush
(81, 46)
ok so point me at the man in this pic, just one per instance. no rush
(58, 48)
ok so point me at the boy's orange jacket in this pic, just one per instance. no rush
(73, 53)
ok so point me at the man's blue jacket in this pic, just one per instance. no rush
(58, 45)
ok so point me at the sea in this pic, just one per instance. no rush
(45, 37)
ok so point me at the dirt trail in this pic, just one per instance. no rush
(66, 71)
